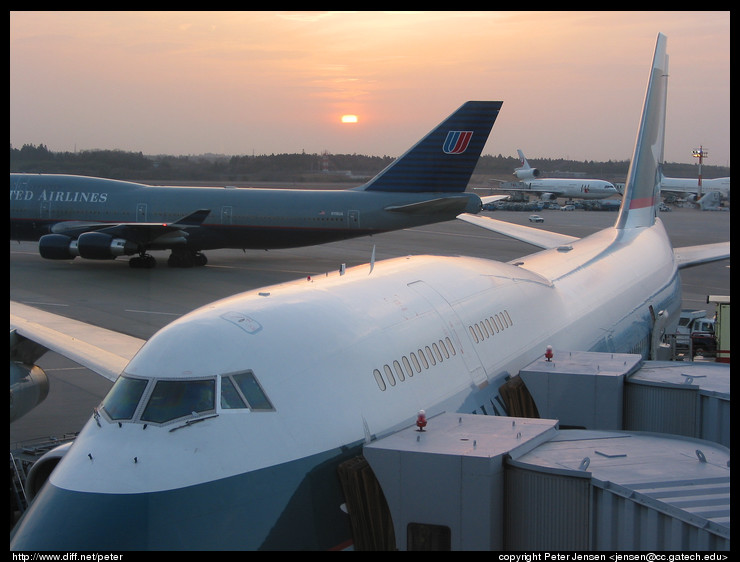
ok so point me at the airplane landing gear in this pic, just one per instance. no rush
(143, 261)
(186, 258)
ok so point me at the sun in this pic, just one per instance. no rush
(349, 118)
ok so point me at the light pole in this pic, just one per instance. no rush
(700, 153)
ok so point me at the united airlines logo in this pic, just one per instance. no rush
(457, 142)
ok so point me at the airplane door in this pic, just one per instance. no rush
(141, 212)
(354, 219)
(226, 214)
(458, 331)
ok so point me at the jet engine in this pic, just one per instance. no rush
(29, 385)
(90, 245)
(57, 247)
(101, 246)
(39, 473)
(527, 173)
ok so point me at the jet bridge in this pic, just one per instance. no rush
(472, 482)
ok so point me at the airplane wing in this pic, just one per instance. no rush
(535, 191)
(493, 198)
(103, 351)
(139, 232)
(535, 236)
(695, 255)
(432, 206)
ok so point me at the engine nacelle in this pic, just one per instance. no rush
(57, 247)
(39, 473)
(101, 246)
(29, 386)
(527, 173)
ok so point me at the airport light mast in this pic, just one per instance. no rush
(700, 153)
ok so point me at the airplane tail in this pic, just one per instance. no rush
(642, 188)
(525, 171)
(444, 160)
(523, 160)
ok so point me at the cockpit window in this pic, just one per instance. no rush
(230, 397)
(176, 399)
(252, 391)
(124, 396)
(242, 390)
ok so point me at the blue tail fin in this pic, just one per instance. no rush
(642, 188)
(444, 160)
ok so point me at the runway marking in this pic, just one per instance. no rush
(153, 312)
(34, 303)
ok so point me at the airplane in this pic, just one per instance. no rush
(98, 218)
(224, 431)
(552, 188)
(689, 189)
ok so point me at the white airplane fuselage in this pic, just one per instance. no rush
(572, 188)
(336, 351)
(689, 186)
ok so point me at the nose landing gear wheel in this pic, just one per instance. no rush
(144, 261)
(186, 258)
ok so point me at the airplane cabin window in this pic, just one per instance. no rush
(399, 371)
(472, 334)
(506, 312)
(379, 379)
(437, 352)
(407, 366)
(423, 358)
(175, 399)
(429, 354)
(124, 396)
(389, 375)
(416, 362)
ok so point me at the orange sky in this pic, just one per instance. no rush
(270, 82)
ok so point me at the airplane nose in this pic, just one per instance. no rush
(60, 520)
(293, 505)
(184, 519)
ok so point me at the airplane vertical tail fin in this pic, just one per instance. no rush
(525, 171)
(523, 160)
(444, 160)
(642, 188)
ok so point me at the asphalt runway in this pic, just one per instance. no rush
(139, 302)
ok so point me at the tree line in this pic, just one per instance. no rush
(295, 168)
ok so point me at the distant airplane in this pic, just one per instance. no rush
(689, 189)
(98, 218)
(552, 188)
(225, 430)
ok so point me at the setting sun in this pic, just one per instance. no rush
(349, 118)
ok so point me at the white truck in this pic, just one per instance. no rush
(722, 326)
(695, 333)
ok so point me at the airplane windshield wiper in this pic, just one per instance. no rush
(191, 422)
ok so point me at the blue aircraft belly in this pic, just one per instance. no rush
(295, 505)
